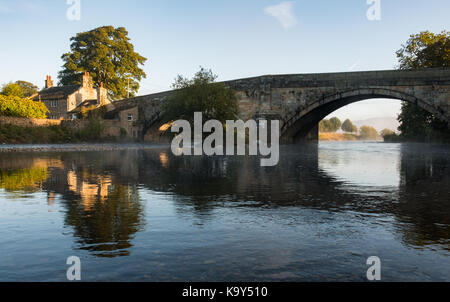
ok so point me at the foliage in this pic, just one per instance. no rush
(368, 133)
(336, 123)
(332, 125)
(349, 127)
(389, 135)
(107, 54)
(28, 89)
(93, 130)
(123, 132)
(12, 134)
(21, 89)
(418, 124)
(12, 89)
(386, 132)
(17, 107)
(201, 94)
(423, 50)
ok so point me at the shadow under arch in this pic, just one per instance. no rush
(303, 122)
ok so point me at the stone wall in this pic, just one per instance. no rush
(28, 122)
(115, 128)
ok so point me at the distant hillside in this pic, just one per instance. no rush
(380, 123)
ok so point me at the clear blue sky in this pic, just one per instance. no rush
(235, 38)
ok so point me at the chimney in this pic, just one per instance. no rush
(101, 95)
(87, 80)
(48, 82)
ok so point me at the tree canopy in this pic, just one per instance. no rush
(348, 126)
(423, 50)
(368, 133)
(331, 125)
(28, 88)
(19, 89)
(107, 54)
(201, 94)
(12, 89)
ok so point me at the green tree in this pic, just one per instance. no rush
(348, 126)
(107, 54)
(386, 132)
(325, 126)
(423, 50)
(12, 89)
(389, 135)
(368, 133)
(28, 88)
(335, 124)
(201, 94)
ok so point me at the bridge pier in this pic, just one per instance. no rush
(310, 137)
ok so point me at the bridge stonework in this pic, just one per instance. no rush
(301, 101)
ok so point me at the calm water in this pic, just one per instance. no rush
(145, 215)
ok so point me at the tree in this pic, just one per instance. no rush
(423, 50)
(386, 132)
(368, 133)
(12, 89)
(201, 94)
(331, 125)
(389, 135)
(107, 54)
(28, 88)
(348, 126)
(335, 123)
(325, 126)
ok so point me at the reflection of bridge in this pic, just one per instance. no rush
(300, 101)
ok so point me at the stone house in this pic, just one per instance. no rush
(64, 102)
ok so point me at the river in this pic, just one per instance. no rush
(139, 213)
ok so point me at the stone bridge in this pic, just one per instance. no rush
(301, 101)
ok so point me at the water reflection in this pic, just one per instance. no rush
(101, 191)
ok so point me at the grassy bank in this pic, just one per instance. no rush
(12, 134)
(337, 137)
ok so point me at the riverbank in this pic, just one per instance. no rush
(55, 134)
(337, 137)
(73, 147)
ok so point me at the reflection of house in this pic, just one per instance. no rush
(90, 193)
(64, 101)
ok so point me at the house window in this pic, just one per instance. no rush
(54, 104)
(130, 117)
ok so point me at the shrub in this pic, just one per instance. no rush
(16, 107)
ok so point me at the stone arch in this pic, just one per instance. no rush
(300, 124)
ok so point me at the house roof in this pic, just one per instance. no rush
(85, 104)
(57, 92)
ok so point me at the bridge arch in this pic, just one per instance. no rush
(297, 127)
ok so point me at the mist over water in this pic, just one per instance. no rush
(146, 215)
